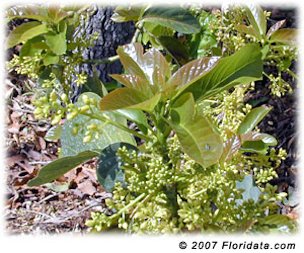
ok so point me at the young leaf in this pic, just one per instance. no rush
(247, 30)
(50, 59)
(128, 98)
(242, 67)
(24, 32)
(136, 116)
(231, 146)
(257, 18)
(275, 27)
(145, 66)
(268, 139)
(285, 35)
(72, 143)
(195, 133)
(253, 118)
(176, 18)
(254, 147)
(192, 71)
(56, 14)
(109, 166)
(61, 166)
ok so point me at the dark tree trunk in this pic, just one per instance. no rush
(111, 35)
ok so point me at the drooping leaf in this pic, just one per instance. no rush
(54, 133)
(192, 71)
(253, 118)
(284, 35)
(176, 18)
(250, 190)
(257, 18)
(24, 32)
(128, 98)
(61, 166)
(275, 27)
(197, 136)
(35, 12)
(124, 14)
(109, 166)
(242, 67)
(72, 142)
(33, 46)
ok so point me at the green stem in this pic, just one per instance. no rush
(140, 197)
(291, 73)
(102, 118)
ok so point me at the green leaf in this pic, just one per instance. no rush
(72, 144)
(196, 134)
(254, 147)
(136, 116)
(276, 219)
(95, 85)
(50, 59)
(151, 68)
(33, 46)
(24, 32)
(128, 98)
(176, 18)
(53, 134)
(253, 118)
(124, 14)
(242, 67)
(231, 147)
(59, 167)
(193, 71)
(27, 12)
(275, 27)
(285, 35)
(247, 30)
(109, 166)
(257, 18)
(250, 191)
(57, 42)
(267, 139)
(175, 48)
(57, 14)
(58, 187)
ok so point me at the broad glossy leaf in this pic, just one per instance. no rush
(136, 116)
(72, 144)
(197, 136)
(61, 166)
(145, 66)
(124, 14)
(109, 166)
(33, 46)
(275, 27)
(268, 139)
(176, 18)
(24, 32)
(257, 18)
(135, 82)
(242, 67)
(54, 133)
(192, 71)
(250, 190)
(253, 118)
(284, 35)
(128, 98)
